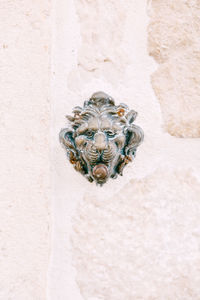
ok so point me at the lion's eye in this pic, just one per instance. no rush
(110, 133)
(89, 133)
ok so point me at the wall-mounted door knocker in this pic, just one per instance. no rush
(101, 139)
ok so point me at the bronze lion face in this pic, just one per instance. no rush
(101, 139)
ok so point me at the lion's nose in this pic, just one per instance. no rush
(100, 141)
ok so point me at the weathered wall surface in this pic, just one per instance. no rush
(24, 150)
(174, 43)
(140, 243)
(136, 237)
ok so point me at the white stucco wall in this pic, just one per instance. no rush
(24, 150)
(138, 236)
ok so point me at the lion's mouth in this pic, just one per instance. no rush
(100, 173)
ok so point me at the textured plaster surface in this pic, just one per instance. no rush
(137, 237)
(173, 41)
(140, 243)
(100, 55)
(24, 150)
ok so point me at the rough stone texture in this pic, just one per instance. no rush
(24, 151)
(136, 237)
(173, 41)
(101, 55)
(141, 243)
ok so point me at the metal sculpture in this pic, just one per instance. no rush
(101, 138)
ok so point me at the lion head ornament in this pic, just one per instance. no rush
(101, 138)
